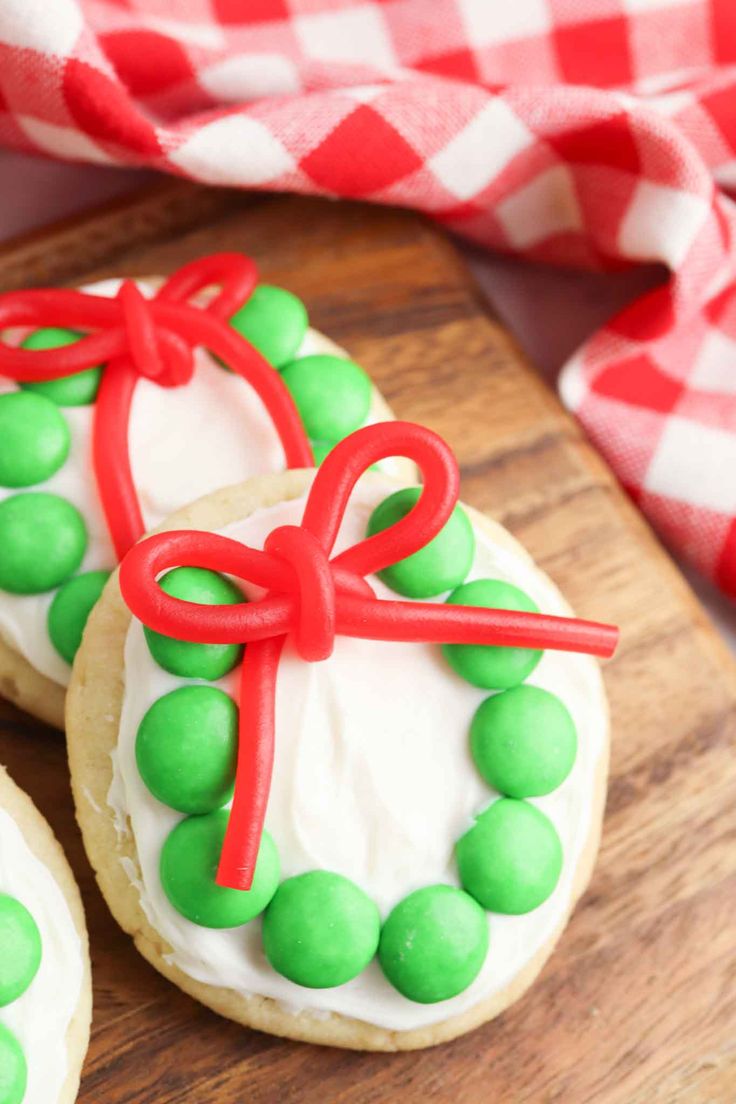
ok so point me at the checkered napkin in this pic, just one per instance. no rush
(586, 132)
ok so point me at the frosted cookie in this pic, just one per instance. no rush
(91, 456)
(368, 826)
(45, 994)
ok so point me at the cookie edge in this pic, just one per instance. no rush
(41, 840)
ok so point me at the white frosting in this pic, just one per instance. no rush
(184, 442)
(373, 779)
(40, 1017)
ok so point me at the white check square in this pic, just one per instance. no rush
(714, 368)
(488, 23)
(356, 34)
(52, 28)
(695, 463)
(233, 150)
(249, 77)
(546, 206)
(481, 150)
(661, 223)
(61, 141)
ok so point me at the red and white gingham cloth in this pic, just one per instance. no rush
(585, 132)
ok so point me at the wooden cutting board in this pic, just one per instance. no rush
(638, 1004)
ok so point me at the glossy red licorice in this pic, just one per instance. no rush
(314, 598)
(153, 338)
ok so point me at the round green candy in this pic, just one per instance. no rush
(510, 860)
(440, 565)
(34, 439)
(434, 943)
(70, 609)
(188, 868)
(20, 949)
(13, 1068)
(487, 665)
(320, 929)
(43, 541)
(332, 395)
(186, 748)
(183, 657)
(78, 389)
(523, 741)
(273, 320)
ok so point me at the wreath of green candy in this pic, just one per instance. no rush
(20, 958)
(194, 749)
(44, 536)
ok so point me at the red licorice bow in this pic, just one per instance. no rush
(314, 598)
(155, 338)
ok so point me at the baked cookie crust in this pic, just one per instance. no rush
(93, 710)
(44, 845)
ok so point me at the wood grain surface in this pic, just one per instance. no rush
(638, 1004)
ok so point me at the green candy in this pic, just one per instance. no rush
(332, 395)
(13, 1068)
(20, 949)
(44, 539)
(188, 867)
(34, 439)
(487, 665)
(78, 389)
(523, 741)
(183, 657)
(70, 609)
(511, 859)
(320, 930)
(434, 943)
(186, 748)
(273, 320)
(440, 565)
